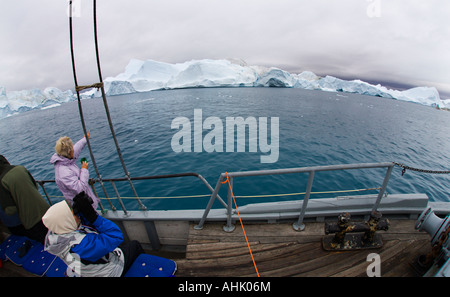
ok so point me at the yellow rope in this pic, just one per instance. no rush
(251, 196)
(168, 197)
(303, 193)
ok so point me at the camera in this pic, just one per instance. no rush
(79, 199)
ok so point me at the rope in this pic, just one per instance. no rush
(164, 197)
(249, 196)
(99, 85)
(240, 220)
(105, 103)
(96, 85)
(80, 108)
(419, 170)
(303, 193)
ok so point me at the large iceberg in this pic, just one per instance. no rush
(14, 102)
(149, 75)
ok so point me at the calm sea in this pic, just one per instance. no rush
(315, 128)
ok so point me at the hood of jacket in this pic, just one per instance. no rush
(59, 218)
(61, 160)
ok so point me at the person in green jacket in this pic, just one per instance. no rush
(21, 204)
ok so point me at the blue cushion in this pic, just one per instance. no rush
(151, 266)
(8, 244)
(38, 261)
(57, 268)
(11, 246)
(11, 243)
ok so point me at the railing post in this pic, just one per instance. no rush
(299, 225)
(210, 203)
(120, 199)
(45, 192)
(152, 235)
(100, 202)
(113, 208)
(229, 227)
(211, 189)
(383, 187)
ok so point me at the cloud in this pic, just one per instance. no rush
(406, 44)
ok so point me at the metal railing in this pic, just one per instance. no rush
(113, 181)
(299, 225)
(149, 224)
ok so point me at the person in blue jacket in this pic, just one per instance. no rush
(94, 248)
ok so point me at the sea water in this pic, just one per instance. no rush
(314, 128)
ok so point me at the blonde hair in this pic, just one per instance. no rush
(64, 146)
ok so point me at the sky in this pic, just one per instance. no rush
(398, 43)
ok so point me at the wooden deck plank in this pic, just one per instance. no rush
(278, 250)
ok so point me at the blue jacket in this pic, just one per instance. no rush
(89, 251)
(96, 245)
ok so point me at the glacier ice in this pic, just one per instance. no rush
(212, 73)
(14, 102)
(149, 75)
(276, 78)
(153, 75)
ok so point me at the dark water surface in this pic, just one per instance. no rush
(315, 128)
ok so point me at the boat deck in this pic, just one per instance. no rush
(280, 251)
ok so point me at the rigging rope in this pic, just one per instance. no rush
(105, 104)
(240, 220)
(80, 108)
(81, 88)
(100, 86)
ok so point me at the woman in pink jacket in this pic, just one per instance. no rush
(70, 179)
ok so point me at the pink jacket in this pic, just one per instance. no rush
(70, 179)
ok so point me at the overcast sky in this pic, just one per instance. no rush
(387, 41)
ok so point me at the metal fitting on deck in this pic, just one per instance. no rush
(354, 235)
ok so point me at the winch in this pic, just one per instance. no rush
(437, 260)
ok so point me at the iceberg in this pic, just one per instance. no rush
(14, 102)
(333, 84)
(422, 95)
(149, 75)
(276, 78)
(212, 73)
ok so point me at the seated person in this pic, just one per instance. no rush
(89, 250)
(21, 204)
